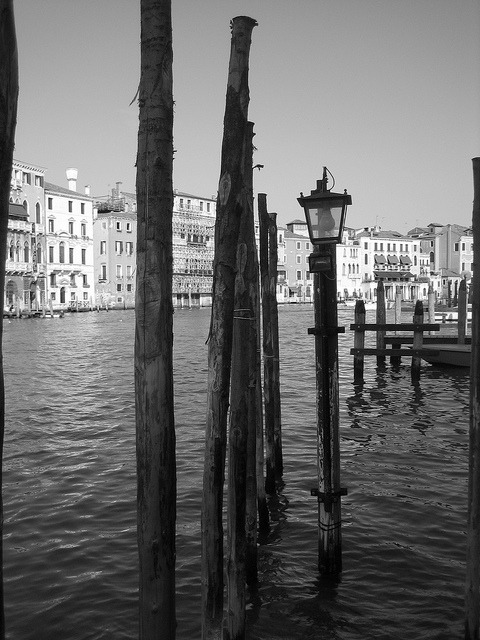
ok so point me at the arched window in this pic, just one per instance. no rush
(39, 254)
(11, 251)
(26, 252)
(17, 252)
(61, 252)
(62, 295)
(38, 213)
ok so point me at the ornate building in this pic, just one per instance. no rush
(25, 267)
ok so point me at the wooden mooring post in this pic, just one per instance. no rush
(381, 319)
(462, 311)
(328, 490)
(8, 119)
(230, 203)
(396, 351)
(472, 582)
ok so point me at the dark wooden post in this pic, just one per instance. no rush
(431, 306)
(8, 120)
(271, 356)
(247, 296)
(359, 342)
(462, 311)
(230, 203)
(326, 363)
(267, 334)
(240, 414)
(273, 278)
(156, 468)
(417, 340)
(381, 319)
(472, 583)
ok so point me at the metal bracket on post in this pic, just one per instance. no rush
(330, 497)
(325, 331)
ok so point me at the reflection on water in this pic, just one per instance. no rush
(69, 489)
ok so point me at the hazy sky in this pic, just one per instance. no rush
(385, 93)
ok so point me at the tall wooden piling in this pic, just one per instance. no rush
(273, 278)
(472, 582)
(328, 421)
(462, 311)
(381, 319)
(230, 203)
(398, 305)
(359, 341)
(431, 306)
(156, 468)
(417, 340)
(8, 120)
(271, 366)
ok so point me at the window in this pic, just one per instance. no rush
(299, 259)
(463, 246)
(208, 207)
(181, 203)
(119, 270)
(38, 181)
(129, 270)
(84, 256)
(366, 258)
(365, 245)
(129, 248)
(103, 247)
(299, 275)
(103, 272)
(307, 246)
(118, 225)
(70, 206)
(70, 227)
(307, 275)
(61, 252)
(456, 246)
(82, 208)
(128, 227)
(51, 225)
(119, 286)
(27, 178)
(53, 279)
(38, 213)
(50, 254)
(70, 255)
(375, 246)
(72, 280)
(129, 287)
(118, 247)
(83, 229)
(201, 205)
(299, 246)
(26, 252)
(85, 280)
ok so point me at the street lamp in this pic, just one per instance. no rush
(325, 215)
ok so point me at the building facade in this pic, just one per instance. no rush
(114, 247)
(25, 265)
(69, 240)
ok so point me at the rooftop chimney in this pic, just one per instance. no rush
(72, 178)
(87, 189)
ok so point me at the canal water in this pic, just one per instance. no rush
(70, 552)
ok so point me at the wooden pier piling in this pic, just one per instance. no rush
(472, 582)
(359, 341)
(381, 319)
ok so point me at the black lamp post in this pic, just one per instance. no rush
(325, 214)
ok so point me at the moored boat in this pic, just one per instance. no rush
(451, 355)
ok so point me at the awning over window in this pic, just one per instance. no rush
(405, 260)
(16, 210)
(380, 259)
(392, 260)
(393, 275)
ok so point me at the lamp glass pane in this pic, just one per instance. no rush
(325, 218)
